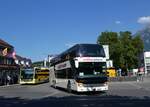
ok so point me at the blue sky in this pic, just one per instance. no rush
(37, 28)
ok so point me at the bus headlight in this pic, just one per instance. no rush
(106, 83)
(80, 84)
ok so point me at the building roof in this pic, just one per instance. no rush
(22, 58)
(5, 44)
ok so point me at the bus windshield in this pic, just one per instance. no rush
(27, 74)
(90, 69)
(92, 51)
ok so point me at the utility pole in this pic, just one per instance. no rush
(45, 60)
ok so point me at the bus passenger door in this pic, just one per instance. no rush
(52, 77)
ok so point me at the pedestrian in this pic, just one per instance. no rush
(140, 74)
(8, 80)
(119, 72)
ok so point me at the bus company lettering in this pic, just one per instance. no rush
(63, 65)
(89, 59)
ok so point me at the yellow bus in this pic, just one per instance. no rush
(111, 72)
(34, 75)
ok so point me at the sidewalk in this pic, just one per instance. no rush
(9, 85)
(122, 79)
(146, 79)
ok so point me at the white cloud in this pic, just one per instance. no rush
(144, 20)
(117, 22)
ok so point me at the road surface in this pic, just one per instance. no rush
(120, 94)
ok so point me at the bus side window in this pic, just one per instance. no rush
(67, 56)
(73, 54)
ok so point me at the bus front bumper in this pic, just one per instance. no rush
(86, 89)
(27, 81)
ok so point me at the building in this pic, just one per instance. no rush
(8, 67)
(147, 62)
(23, 62)
(10, 64)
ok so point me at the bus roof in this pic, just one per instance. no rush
(75, 48)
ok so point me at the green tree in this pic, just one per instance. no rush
(127, 51)
(138, 45)
(123, 47)
(111, 39)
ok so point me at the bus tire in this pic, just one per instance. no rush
(69, 87)
(54, 83)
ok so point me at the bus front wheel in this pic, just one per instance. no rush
(69, 87)
(54, 83)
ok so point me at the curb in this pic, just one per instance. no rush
(9, 85)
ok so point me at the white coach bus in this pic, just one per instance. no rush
(81, 68)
